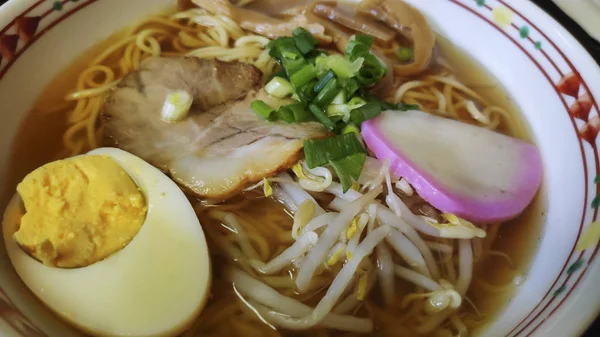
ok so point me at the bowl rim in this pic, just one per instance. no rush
(11, 11)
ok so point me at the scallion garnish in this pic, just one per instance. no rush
(340, 98)
(328, 93)
(279, 87)
(348, 169)
(301, 114)
(262, 109)
(344, 153)
(340, 65)
(321, 117)
(303, 76)
(176, 106)
(286, 47)
(331, 89)
(405, 54)
(324, 80)
(286, 114)
(365, 112)
(345, 109)
(294, 113)
(304, 41)
(356, 49)
(319, 152)
(350, 85)
(351, 128)
(364, 39)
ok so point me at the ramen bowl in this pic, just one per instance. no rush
(547, 75)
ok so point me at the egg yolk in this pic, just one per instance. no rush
(79, 211)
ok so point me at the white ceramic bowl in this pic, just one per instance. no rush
(527, 51)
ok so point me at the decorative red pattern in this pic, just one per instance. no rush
(8, 46)
(10, 24)
(27, 26)
(597, 163)
(589, 131)
(569, 85)
(582, 107)
(583, 158)
(49, 27)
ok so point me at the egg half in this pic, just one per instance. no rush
(157, 285)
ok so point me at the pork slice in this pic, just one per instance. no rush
(222, 146)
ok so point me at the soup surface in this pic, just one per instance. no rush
(52, 130)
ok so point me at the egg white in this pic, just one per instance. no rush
(156, 286)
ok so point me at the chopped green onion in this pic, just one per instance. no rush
(328, 93)
(340, 98)
(369, 75)
(356, 49)
(303, 76)
(176, 106)
(324, 80)
(319, 152)
(405, 54)
(399, 106)
(305, 42)
(365, 112)
(262, 109)
(348, 169)
(350, 85)
(407, 107)
(287, 48)
(321, 117)
(342, 67)
(345, 109)
(374, 61)
(308, 92)
(342, 110)
(294, 113)
(285, 52)
(286, 114)
(357, 101)
(390, 106)
(351, 128)
(273, 52)
(279, 87)
(364, 39)
(321, 66)
(301, 114)
(292, 66)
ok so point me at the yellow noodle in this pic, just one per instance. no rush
(145, 36)
(406, 87)
(456, 84)
(421, 96)
(109, 76)
(111, 50)
(260, 243)
(189, 40)
(441, 99)
(178, 46)
(92, 92)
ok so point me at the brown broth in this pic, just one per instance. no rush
(40, 136)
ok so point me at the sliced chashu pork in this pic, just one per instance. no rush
(222, 146)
